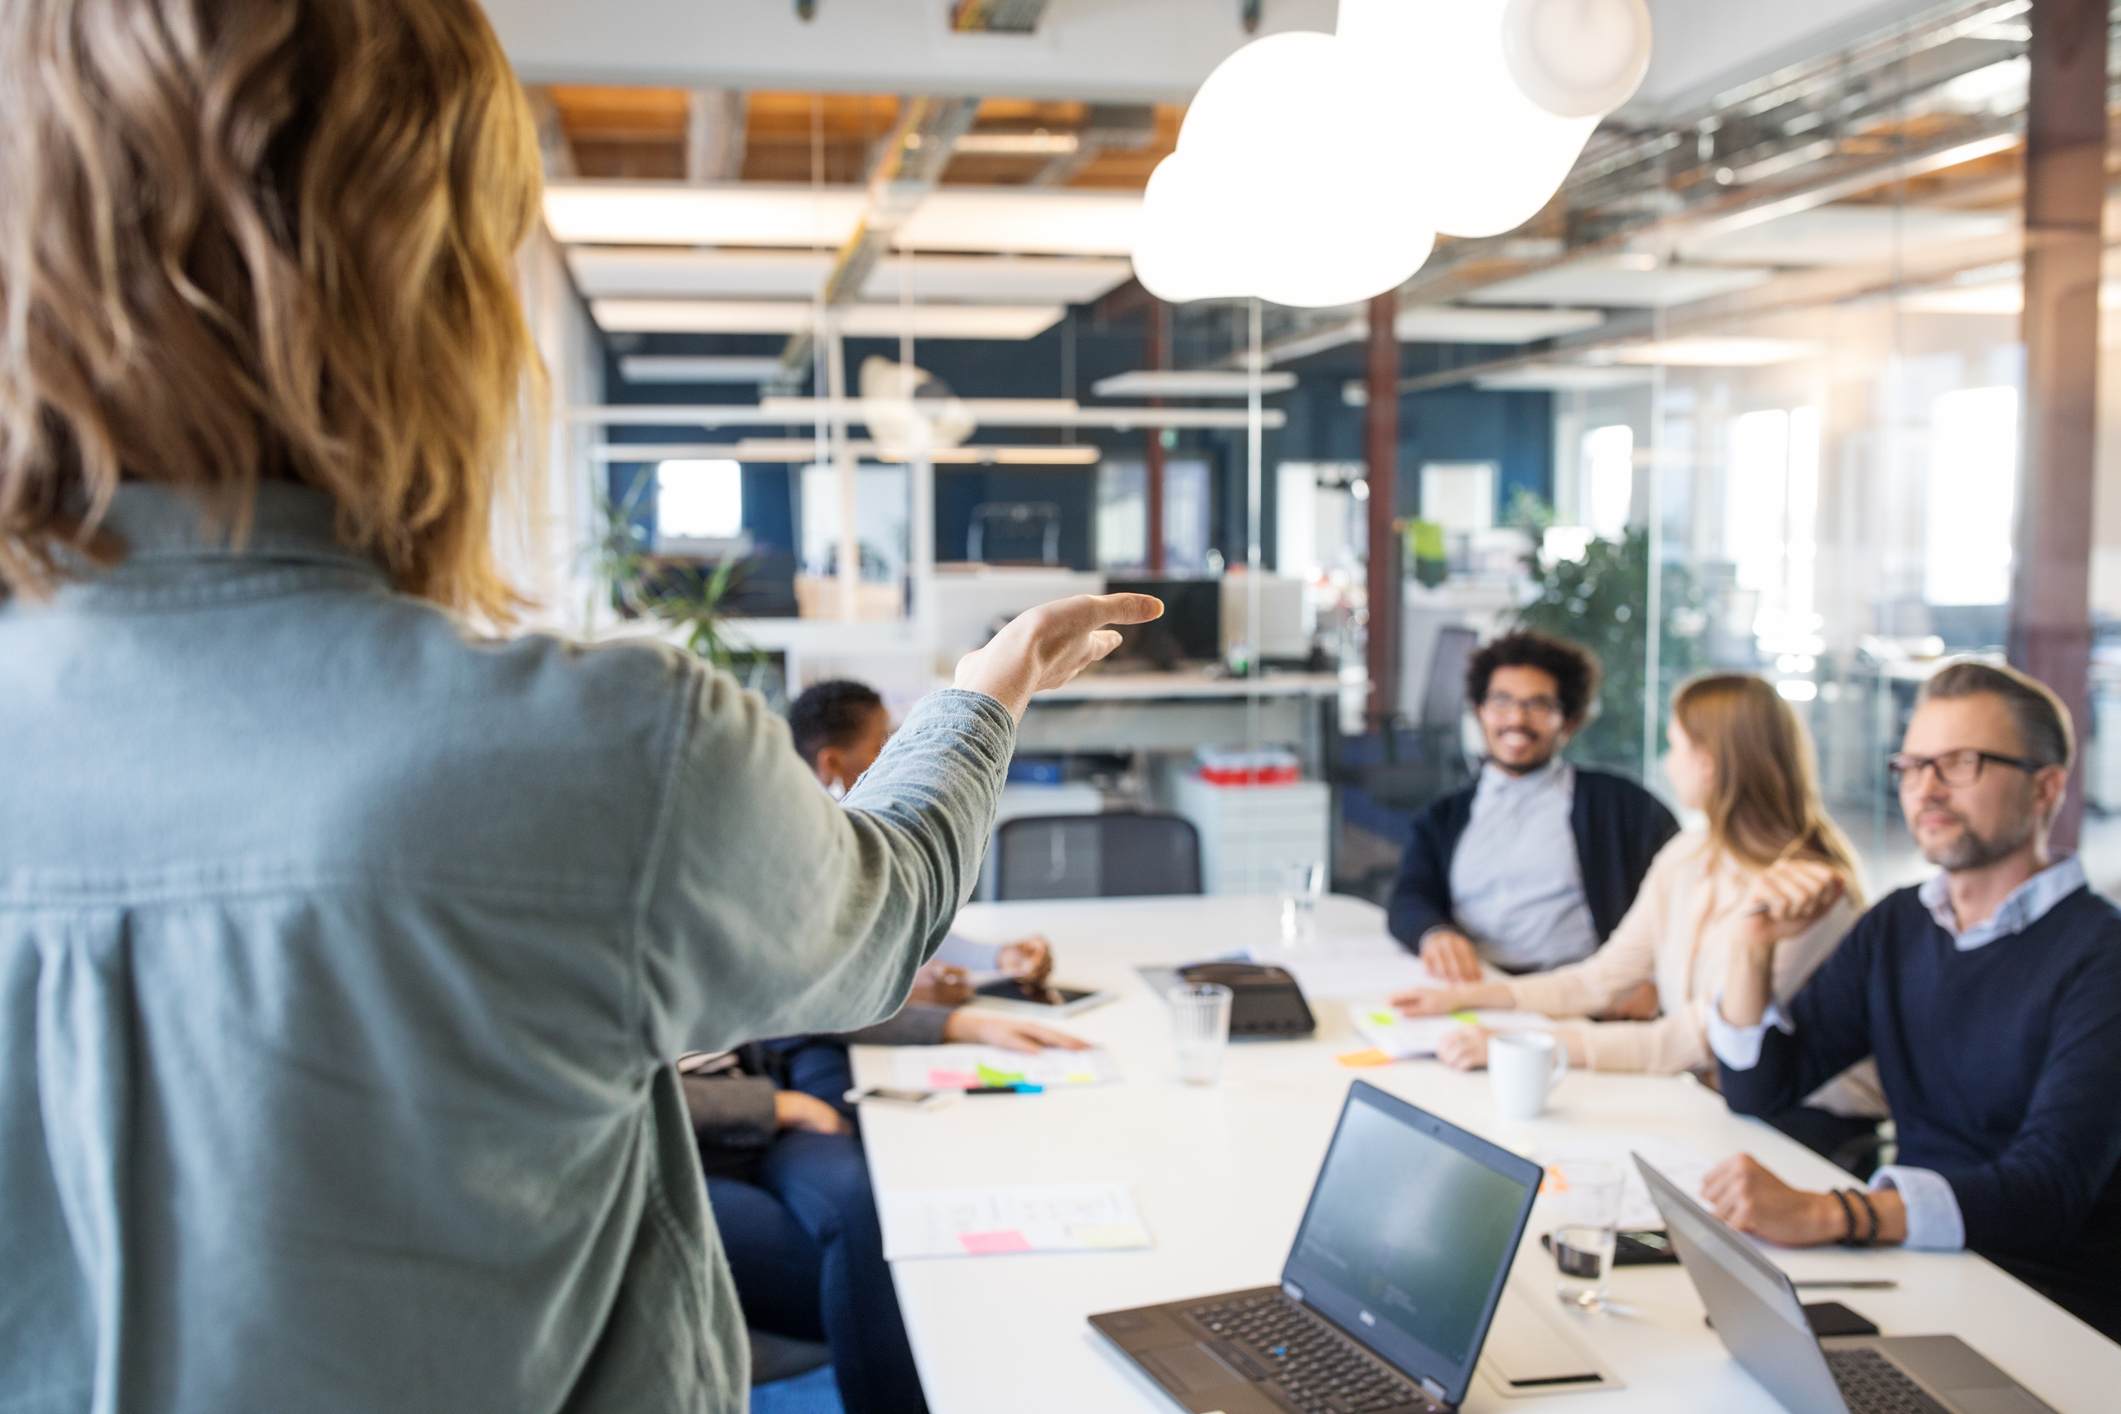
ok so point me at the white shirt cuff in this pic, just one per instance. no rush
(960, 951)
(1934, 1223)
(1739, 1046)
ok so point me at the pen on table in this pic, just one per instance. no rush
(1004, 1089)
(1859, 1284)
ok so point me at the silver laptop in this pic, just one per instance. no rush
(1760, 1321)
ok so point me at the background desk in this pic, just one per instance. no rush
(1221, 1175)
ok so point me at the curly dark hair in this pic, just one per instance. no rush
(1573, 667)
(830, 714)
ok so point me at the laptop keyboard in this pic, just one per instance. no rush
(1314, 1367)
(1873, 1384)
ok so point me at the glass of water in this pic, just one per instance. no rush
(1586, 1199)
(1302, 885)
(1200, 1030)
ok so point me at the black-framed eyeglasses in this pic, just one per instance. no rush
(1955, 768)
(1502, 704)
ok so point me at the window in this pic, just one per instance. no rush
(1459, 496)
(1123, 516)
(699, 501)
(882, 517)
(1608, 480)
(1973, 497)
(1771, 515)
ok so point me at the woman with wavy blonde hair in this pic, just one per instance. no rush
(344, 951)
(1767, 859)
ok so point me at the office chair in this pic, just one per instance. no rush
(1096, 856)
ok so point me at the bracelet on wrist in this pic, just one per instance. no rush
(1848, 1218)
(1870, 1212)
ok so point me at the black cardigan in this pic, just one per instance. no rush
(1619, 828)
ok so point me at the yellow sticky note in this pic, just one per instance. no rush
(1466, 1017)
(1355, 1059)
(1384, 1018)
(1108, 1235)
(1081, 1077)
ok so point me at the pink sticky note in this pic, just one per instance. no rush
(986, 1244)
(952, 1080)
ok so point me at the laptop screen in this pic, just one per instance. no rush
(1410, 1234)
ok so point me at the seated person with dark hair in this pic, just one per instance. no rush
(840, 728)
(1991, 998)
(1533, 866)
(786, 1177)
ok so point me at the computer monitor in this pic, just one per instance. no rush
(1410, 1234)
(1191, 630)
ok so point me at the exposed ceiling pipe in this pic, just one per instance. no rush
(908, 167)
(714, 136)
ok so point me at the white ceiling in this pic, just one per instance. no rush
(1100, 50)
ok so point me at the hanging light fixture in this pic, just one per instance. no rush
(1316, 170)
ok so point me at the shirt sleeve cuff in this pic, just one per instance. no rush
(1739, 1046)
(1934, 1223)
(961, 951)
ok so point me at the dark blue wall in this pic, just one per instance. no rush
(1513, 429)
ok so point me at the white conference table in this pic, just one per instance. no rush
(1221, 1175)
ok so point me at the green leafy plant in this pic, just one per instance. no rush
(1601, 602)
(644, 585)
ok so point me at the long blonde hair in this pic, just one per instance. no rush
(248, 239)
(1763, 803)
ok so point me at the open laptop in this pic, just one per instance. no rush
(1387, 1294)
(1760, 1320)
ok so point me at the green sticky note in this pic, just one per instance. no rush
(988, 1075)
(1465, 1016)
(1384, 1018)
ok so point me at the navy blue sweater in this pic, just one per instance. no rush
(2003, 1069)
(1619, 828)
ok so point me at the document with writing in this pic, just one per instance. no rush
(990, 1222)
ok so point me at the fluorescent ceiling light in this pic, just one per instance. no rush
(1189, 383)
(879, 321)
(1707, 353)
(1032, 220)
(1012, 412)
(1561, 378)
(1458, 324)
(807, 450)
(625, 272)
(1022, 412)
(1035, 221)
(678, 368)
(1038, 144)
(1848, 234)
(1609, 283)
(669, 213)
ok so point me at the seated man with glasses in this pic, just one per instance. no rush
(1532, 866)
(1991, 998)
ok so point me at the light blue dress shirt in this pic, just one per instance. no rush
(1934, 1221)
(1516, 884)
(343, 955)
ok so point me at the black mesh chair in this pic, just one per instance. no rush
(1096, 856)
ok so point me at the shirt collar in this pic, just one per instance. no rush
(1496, 781)
(288, 522)
(2026, 905)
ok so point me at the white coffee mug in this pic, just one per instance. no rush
(1524, 1067)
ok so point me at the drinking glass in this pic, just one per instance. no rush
(1586, 1195)
(1200, 1030)
(1302, 885)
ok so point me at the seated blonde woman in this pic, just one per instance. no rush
(1769, 858)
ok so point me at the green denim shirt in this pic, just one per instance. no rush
(343, 953)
